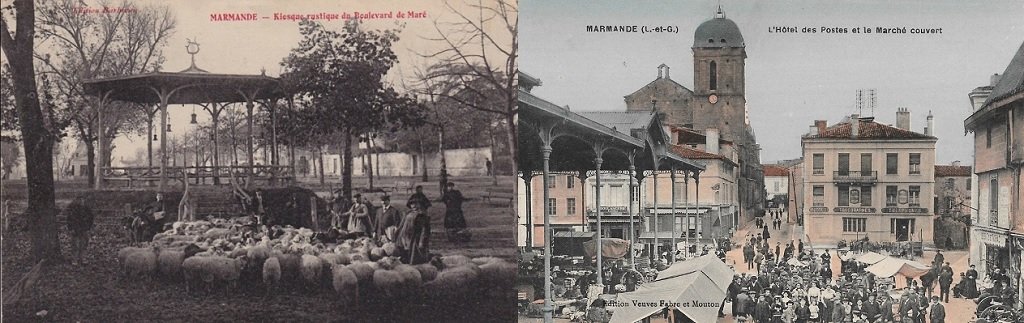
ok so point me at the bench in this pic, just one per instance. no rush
(494, 193)
(402, 185)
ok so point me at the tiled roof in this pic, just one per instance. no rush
(622, 121)
(949, 171)
(775, 170)
(690, 153)
(868, 130)
(1012, 80)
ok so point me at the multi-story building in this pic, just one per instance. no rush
(997, 121)
(867, 179)
(952, 189)
(564, 204)
(776, 185)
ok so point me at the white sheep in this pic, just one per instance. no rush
(452, 282)
(364, 272)
(271, 273)
(376, 253)
(498, 274)
(455, 261)
(412, 278)
(390, 249)
(345, 283)
(141, 262)
(312, 268)
(169, 262)
(389, 282)
(427, 271)
(213, 269)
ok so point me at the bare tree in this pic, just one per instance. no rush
(37, 128)
(479, 55)
(81, 46)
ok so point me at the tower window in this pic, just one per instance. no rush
(711, 41)
(723, 40)
(712, 76)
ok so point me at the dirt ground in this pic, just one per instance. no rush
(93, 291)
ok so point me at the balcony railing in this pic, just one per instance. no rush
(855, 177)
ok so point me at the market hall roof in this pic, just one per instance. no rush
(1010, 85)
(717, 33)
(576, 152)
(185, 87)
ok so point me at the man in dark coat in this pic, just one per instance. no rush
(871, 309)
(939, 259)
(731, 293)
(387, 216)
(419, 198)
(763, 310)
(928, 282)
(937, 312)
(945, 279)
(80, 222)
(741, 304)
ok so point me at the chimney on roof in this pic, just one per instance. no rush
(980, 94)
(854, 125)
(903, 118)
(956, 163)
(995, 79)
(930, 128)
(813, 131)
(711, 140)
(820, 125)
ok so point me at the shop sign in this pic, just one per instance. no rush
(847, 209)
(990, 238)
(904, 210)
(818, 209)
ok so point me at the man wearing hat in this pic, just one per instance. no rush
(387, 217)
(937, 312)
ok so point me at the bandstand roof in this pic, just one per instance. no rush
(185, 87)
(574, 136)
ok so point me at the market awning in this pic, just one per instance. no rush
(892, 266)
(695, 293)
(871, 258)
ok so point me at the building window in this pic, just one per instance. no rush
(890, 195)
(988, 137)
(993, 201)
(891, 163)
(680, 190)
(712, 76)
(819, 195)
(570, 206)
(969, 184)
(551, 181)
(844, 195)
(844, 164)
(909, 222)
(865, 164)
(865, 196)
(819, 164)
(915, 163)
(552, 206)
(855, 224)
(915, 196)
(569, 182)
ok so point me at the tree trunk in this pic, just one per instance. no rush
(346, 170)
(216, 147)
(90, 158)
(377, 155)
(369, 162)
(423, 162)
(444, 161)
(512, 143)
(149, 140)
(320, 156)
(37, 139)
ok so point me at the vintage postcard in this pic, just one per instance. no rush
(253, 161)
(727, 161)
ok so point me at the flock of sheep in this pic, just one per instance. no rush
(225, 253)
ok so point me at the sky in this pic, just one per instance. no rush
(247, 47)
(792, 79)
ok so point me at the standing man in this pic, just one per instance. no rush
(489, 165)
(937, 312)
(419, 198)
(80, 222)
(388, 217)
(945, 279)
(454, 220)
(414, 235)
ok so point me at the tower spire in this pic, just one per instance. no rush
(720, 13)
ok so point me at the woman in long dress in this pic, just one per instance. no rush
(358, 216)
(414, 235)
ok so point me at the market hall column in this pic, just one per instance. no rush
(548, 305)
(597, 203)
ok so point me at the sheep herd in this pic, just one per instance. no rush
(222, 254)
